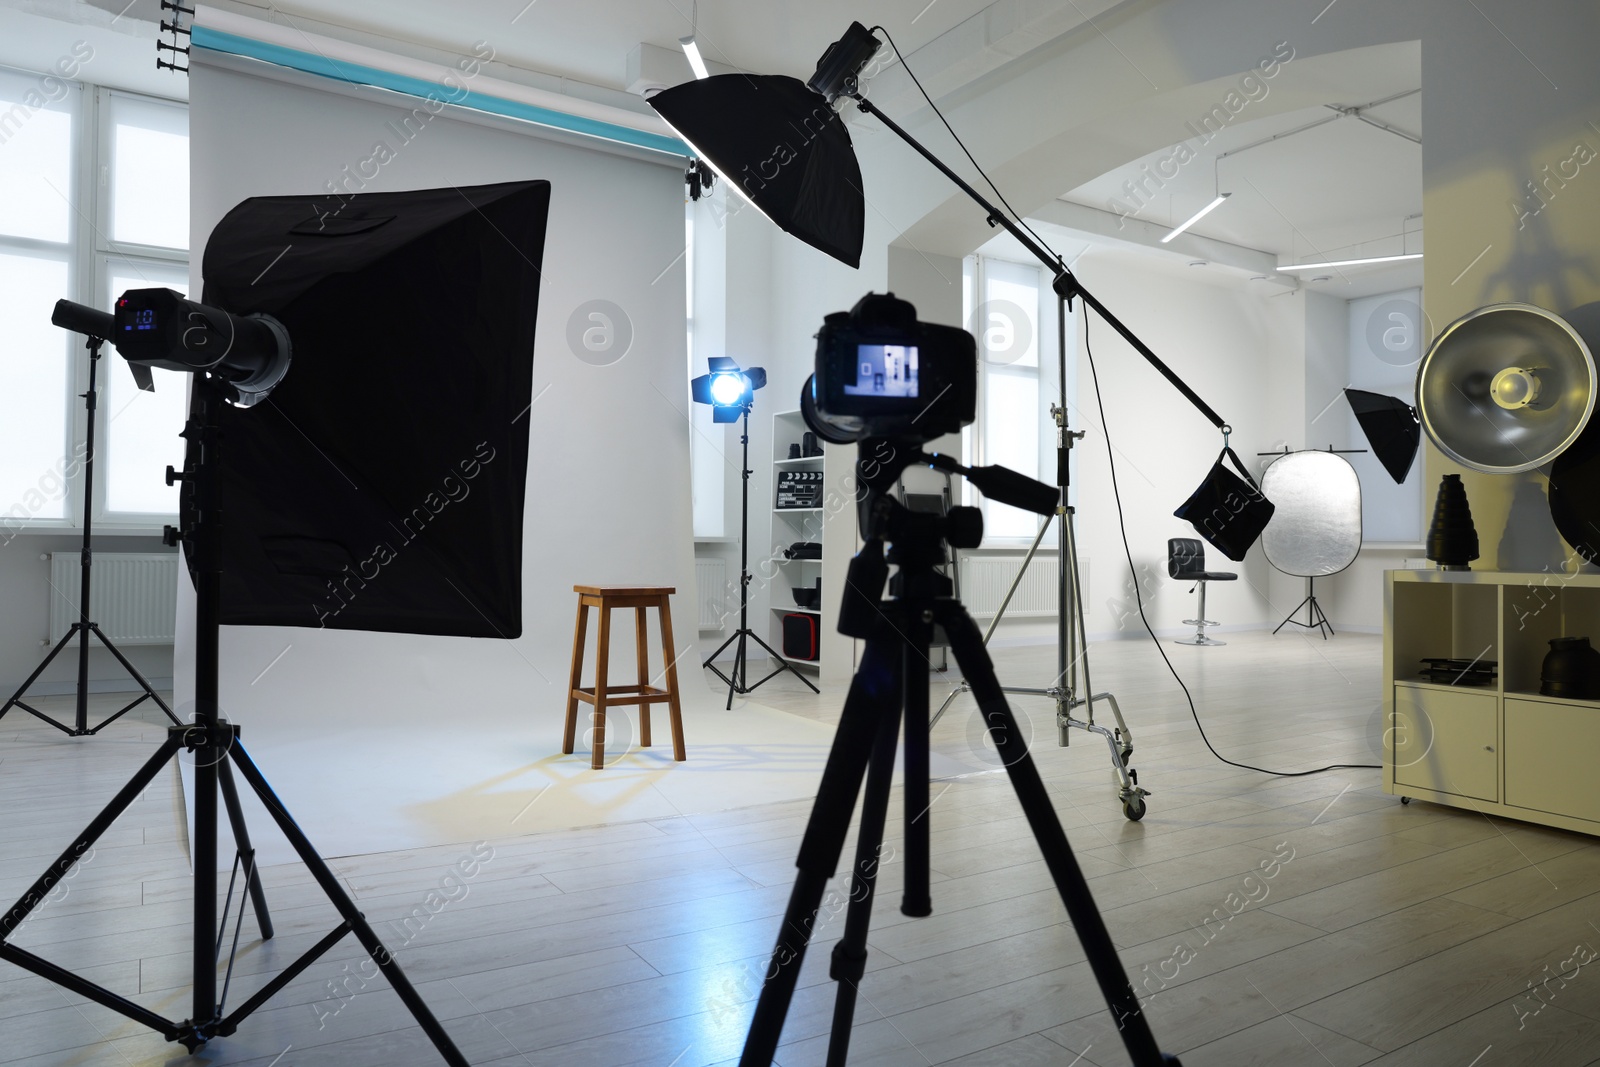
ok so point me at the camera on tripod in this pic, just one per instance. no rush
(881, 373)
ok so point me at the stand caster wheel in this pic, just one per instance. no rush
(1133, 808)
(1405, 800)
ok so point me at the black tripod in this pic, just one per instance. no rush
(84, 626)
(893, 678)
(738, 677)
(1315, 619)
(214, 742)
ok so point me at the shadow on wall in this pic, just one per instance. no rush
(1540, 271)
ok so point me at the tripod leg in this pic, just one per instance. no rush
(16, 698)
(134, 672)
(783, 665)
(247, 854)
(850, 954)
(915, 900)
(977, 668)
(874, 692)
(329, 882)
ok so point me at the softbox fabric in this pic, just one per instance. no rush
(783, 146)
(1391, 427)
(381, 485)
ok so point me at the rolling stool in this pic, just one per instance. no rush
(639, 598)
(1186, 559)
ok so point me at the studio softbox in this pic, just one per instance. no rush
(1391, 428)
(780, 146)
(380, 486)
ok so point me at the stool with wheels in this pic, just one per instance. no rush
(603, 695)
(1186, 560)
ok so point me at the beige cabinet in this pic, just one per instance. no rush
(1502, 748)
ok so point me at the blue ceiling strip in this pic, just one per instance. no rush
(357, 74)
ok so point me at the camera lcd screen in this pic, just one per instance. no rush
(884, 370)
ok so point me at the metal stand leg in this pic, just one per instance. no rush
(1315, 619)
(1200, 623)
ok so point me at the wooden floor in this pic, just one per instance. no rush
(1265, 920)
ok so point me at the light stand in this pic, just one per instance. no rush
(738, 677)
(1072, 638)
(1315, 619)
(214, 742)
(84, 626)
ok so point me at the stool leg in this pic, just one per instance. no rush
(674, 710)
(579, 631)
(602, 662)
(642, 653)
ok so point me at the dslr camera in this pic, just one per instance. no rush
(882, 374)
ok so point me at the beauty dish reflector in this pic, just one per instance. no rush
(1506, 388)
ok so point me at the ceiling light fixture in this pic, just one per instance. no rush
(696, 62)
(1197, 216)
(1351, 262)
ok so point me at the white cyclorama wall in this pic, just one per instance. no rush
(608, 495)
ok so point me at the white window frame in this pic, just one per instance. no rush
(92, 258)
(974, 437)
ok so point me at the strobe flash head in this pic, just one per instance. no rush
(161, 328)
(838, 72)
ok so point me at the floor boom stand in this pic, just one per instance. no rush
(1072, 643)
(84, 627)
(215, 747)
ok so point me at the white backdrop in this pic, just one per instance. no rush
(608, 485)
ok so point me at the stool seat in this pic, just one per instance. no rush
(601, 695)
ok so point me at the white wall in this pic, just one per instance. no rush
(608, 485)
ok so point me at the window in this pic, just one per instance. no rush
(1011, 310)
(94, 200)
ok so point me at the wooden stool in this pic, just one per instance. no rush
(639, 598)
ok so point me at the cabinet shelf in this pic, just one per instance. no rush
(1500, 749)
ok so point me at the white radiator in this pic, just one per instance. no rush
(711, 591)
(133, 596)
(985, 579)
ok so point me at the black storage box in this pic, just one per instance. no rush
(800, 636)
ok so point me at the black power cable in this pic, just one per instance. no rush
(1139, 599)
(1015, 214)
(1110, 457)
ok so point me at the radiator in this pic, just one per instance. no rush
(711, 591)
(985, 579)
(133, 595)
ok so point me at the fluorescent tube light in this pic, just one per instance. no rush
(1197, 216)
(1352, 262)
(692, 50)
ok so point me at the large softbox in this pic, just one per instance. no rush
(782, 147)
(380, 486)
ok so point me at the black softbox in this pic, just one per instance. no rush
(1391, 427)
(380, 486)
(783, 147)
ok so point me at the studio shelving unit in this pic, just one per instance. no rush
(1502, 748)
(833, 525)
